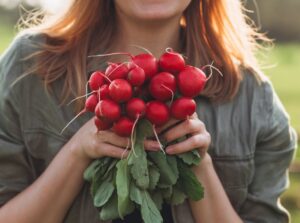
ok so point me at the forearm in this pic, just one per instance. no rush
(215, 206)
(50, 196)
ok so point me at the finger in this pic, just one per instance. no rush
(112, 151)
(194, 142)
(114, 139)
(170, 123)
(189, 126)
(151, 145)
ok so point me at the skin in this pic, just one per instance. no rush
(62, 180)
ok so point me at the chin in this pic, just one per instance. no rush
(152, 9)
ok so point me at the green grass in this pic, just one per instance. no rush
(285, 77)
(6, 35)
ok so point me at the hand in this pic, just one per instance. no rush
(88, 144)
(200, 138)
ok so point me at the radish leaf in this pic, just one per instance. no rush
(125, 205)
(103, 193)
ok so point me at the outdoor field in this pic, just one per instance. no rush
(283, 62)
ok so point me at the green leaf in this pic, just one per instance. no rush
(103, 193)
(189, 182)
(149, 211)
(145, 128)
(90, 171)
(153, 177)
(123, 182)
(138, 157)
(103, 173)
(191, 158)
(109, 211)
(167, 168)
(167, 192)
(157, 198)
(177, 197)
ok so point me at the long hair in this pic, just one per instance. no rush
(214, 31)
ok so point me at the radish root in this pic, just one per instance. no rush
(142, 48)
(156, 136)
(212, 68)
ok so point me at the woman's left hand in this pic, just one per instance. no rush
(199, 137)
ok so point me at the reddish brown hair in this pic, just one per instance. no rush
(214, 30)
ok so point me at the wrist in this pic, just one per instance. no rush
(77, 154)
(205, 166)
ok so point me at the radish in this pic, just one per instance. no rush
(162, 86)
(148, 63)
(191, 81)
(171, 62)
(96, 80)
(103, 92)
(157, 113)
(90, 105)
(135, 108)
(182, 108)
(116, 71)
(136, 76)
(101, 124)
(120, 90)
(108, 110)
(123, 127)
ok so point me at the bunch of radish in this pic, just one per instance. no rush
(144, 87)
(132, 98)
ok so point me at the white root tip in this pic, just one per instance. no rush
(110, 54)
(69, 123)
(172, 93)
(157, 139)
(82, 96)
(212, 68)
(142, 48)
(132, 136)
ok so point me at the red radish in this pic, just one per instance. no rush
(157, 113)
(171, 62)
(136, 76)
(116, 71)
(183, 108)
(135, 108)
(148, 63)
(108, 110)
(96, 80)
(120, 90)
(104, 92)
(123, 127)
(91, 103)
(162, 86)
(131, 65)
(101, 124)
(191, 81)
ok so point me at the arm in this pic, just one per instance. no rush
(215, 207)
(276, 143)
(51, 195)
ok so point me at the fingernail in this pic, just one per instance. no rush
(169, 150)
(155, 145)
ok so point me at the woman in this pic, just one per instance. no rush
(250, 143)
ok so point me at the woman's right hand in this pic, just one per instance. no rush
(88, 144)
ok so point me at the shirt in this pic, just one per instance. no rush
(252, 142)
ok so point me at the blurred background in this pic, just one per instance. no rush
(277, 18)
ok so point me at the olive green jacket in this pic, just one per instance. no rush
(252, 141)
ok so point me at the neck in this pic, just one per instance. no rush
(155, 36)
